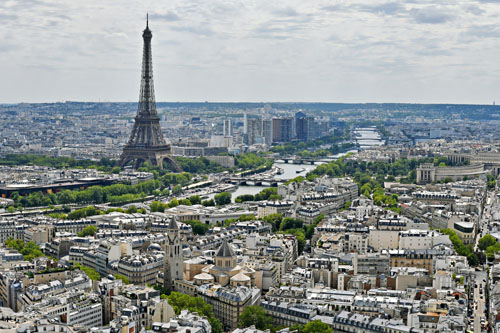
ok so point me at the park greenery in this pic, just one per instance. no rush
(89, 230)
(91, 273)
(124, 279)
(199, 165)
(158, 206)
(92, 211)
(370, 176)
(163, 183)
(103, 164)
(116, 193)
(251, 161)
(314, 326)
(222, 198)
(29, 250)
(199, 228)
(255, 315)
(403, 168)
(208, 203)
(461, 248)
(298, 179)
(491, 181)
(270, 193)
(489, 245)
(294, 227)
(181, 301)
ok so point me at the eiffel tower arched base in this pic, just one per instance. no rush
(154, 155)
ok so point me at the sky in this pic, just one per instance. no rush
(405, 51)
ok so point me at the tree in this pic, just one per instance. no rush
(185, 202)
(461, 248)
(181, 301)
(274, 197)
(131, 210)
(123, 278)
(486, 241)
(291, 223)
(195, 199)
(316, 326)
(222, 198)
(472, 259)
(177, 189)
(116, 170)
(198, 227)
(447, 180)
(208, 203)
(319, 218)
(89, 230)
(29, 250)
(266, 193)
(274, 220)
(157, 206)
(244, 198)
(11, 209)
(91, 273)
(173, 203)
(492, 250)
(96, 194)
(84, 212)
(255, 315)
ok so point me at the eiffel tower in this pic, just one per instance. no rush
(146, 141)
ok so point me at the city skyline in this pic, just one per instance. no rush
(407, 51)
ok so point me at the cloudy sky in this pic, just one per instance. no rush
(416, 51)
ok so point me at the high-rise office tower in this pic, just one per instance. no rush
(282, 129)
(245, 127)
(267, 131)
(254, 130)
(228, 127)
(305, 128)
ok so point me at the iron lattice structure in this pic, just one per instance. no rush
(146, 142)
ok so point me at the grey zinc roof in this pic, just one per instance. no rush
(172, 224)
(225, 251)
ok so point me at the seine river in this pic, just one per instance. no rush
(366, 137)
(290, 171)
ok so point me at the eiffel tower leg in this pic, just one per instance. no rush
(171, 161)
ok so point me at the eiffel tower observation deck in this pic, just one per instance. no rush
(146, 142)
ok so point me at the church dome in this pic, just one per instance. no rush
(204, 277)
(240, 277)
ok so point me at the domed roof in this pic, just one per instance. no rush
(155, 246)
(237, 268)
(240, 277)
(203, 276)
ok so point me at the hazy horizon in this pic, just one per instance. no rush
(363, 51)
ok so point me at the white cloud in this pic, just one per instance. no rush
(237, 50)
